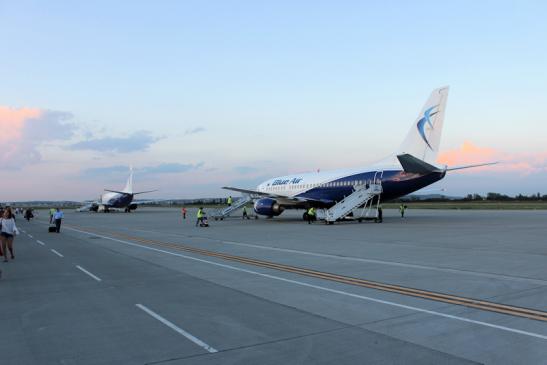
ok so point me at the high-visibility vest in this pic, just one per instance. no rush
(200, 213)
(311, 211)
(230, 200)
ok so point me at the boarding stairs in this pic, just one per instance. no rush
(363, 195)
(223, 213)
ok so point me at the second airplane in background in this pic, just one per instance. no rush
(117, 199)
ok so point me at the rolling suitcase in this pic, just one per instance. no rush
(52, 229)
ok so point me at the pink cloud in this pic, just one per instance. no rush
(469, 154)
(25, 129)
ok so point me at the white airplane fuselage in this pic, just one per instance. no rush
(324, 189)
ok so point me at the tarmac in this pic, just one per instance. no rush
(151, 288)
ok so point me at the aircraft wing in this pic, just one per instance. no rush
(274, 196)
(254, 192)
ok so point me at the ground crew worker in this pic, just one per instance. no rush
(380, 215)
(199, 216)
(230, 201)
(311, 215)
(245, 215)
(51, 214)
(183, 212)
(402, 208)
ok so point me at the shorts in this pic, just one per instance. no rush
(6, 235)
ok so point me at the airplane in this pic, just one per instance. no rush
(412, 167)
(114, 200)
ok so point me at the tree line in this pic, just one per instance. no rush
(478, 197)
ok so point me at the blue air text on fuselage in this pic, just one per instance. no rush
(295, 180)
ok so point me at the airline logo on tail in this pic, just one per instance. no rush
(422, 122)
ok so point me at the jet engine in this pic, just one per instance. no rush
(268, 207)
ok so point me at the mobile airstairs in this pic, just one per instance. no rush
(362, 196)
(223, 213)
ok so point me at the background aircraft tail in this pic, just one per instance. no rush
(424, 137)
(129, 185)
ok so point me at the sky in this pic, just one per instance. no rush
(196, 95)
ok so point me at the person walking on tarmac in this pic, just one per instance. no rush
(58, 218)
(402, 209)
(229, 201)
(380, 216)
(311, 215)
(245, 215)
(8, 232)
(199, 215)
(51, 214)
(184, 211)
(28, 214)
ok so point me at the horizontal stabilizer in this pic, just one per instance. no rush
(412, 164)
(125, 192)
(116, 191)
(144, 192)
(470, 166)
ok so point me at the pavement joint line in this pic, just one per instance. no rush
(30, 236)
(259, 344)
(40, 242)
(322, 288)
(88, 273)
(56, 252)
(177, 329)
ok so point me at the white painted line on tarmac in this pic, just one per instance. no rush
(335, 291)
(177, 329)
(40, 242)
(57, 253)
(30, 236)
(488, 275)
(88, 273)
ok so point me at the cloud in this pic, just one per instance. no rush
(245, 169)
(469, 154)
(24, 130)
(138, 141)
(165, 168)
(104, 171)
(194, 130)
(170, 168)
